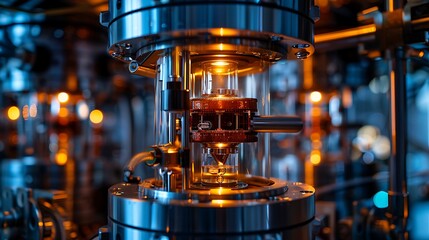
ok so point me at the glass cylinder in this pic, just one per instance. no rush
(225, 98)
(219, 79)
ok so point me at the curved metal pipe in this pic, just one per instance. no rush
(136, 160)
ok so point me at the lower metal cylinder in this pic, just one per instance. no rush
(278, 210)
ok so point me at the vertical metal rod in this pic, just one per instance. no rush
(172, 127)
(398, 194)
(175, 63)
(174, 58)
(186, 74)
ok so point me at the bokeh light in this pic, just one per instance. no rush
(13, 113)
(381, 199)
(315, 96)
(96, 116)
(63, 97)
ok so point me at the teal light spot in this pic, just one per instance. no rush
(381, 199)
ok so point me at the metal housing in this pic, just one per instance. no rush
(267, 29)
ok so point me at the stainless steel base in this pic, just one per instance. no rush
(280, 210)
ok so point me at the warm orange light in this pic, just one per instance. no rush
(315, 96)
(63, 97)
(61, 158)
(315, 136)
(322, 3)
(316, 144)
(220, 63)
(343, 34)
(64, 112)
(25, 112)
(221, 46)
(315, 157)
(316, 112)
(96, 116)
(221, 145)
(13, 113)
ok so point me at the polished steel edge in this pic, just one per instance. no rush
(120, 8)
(118, 231)
(255, 190)
(165, 26)
(127, 206)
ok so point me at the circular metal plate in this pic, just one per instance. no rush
(272, 28)
(133, 208)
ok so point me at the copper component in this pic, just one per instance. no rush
(231, 104)
(235, 136)
(222, 119)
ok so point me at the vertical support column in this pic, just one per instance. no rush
(398, 194)
(185, 154)
(174, 76)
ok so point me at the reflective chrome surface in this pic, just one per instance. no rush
(282, 27)
(132, 211)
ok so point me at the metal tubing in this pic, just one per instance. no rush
(398, 194)
(134, 68)
(420, 24)
(286, 124)
(345, 38)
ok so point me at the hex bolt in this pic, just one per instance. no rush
(133, 66)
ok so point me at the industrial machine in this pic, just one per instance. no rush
(241, 119)
(212, 121)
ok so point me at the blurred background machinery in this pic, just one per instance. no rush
(72, 117)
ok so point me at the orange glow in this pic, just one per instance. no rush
(316, 144)
(221, 145)
(221, 46)
(308, 73)
(315, 96)
(322, 3)
(315, 136)
(25, 112)
(63, 137)
(315, 157)
(316, 112)
(220, 63)
(224, 32)
(61, 158)
(13, 113)
(347, 97)
(64, 112)
(63, 97)
(421, 54)
(343, 34)
(309, 173)
(96, 116)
